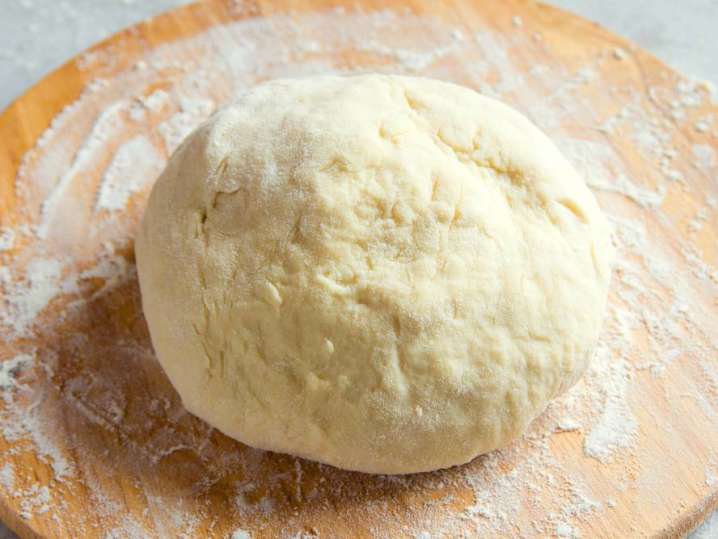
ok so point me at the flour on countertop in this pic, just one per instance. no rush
(71, 309)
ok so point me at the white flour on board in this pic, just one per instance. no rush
(7, 239)
(10, 369)
(616, 425)
(108, 125)
(35, 501)
(7, 477)
(71, 306)
(26, 298)
(135, 164)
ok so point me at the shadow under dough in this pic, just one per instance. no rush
(122, 420)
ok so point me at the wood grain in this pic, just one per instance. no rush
(156, 472)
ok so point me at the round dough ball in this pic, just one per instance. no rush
(383, 273)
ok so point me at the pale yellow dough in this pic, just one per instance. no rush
(383, 273)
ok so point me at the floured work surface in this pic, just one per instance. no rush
(95, 443)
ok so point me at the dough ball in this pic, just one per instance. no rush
(383, 273)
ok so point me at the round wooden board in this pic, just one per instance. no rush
(95, 443)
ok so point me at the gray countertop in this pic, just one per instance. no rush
(36, 36)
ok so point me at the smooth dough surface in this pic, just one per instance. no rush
(383, 273)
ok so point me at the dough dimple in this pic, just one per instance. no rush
(383, 273)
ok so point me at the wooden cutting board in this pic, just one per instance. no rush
(95, 443)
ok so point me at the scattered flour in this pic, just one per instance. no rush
(10, 370)
(112, 269)
(26, 298)
(622, 185)
(72, 278)
(704, 125)
(191, 113)
(565, 530)
(705, 157)
(128, 529)
(109, 124)
(568, 425)
(7, 477)
(7, 239)
(616, 426)
(135, 164)
(35, 501)
(412, 60)
(21, 421)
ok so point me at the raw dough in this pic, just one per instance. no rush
(382, 273)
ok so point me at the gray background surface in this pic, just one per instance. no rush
(37, 36)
